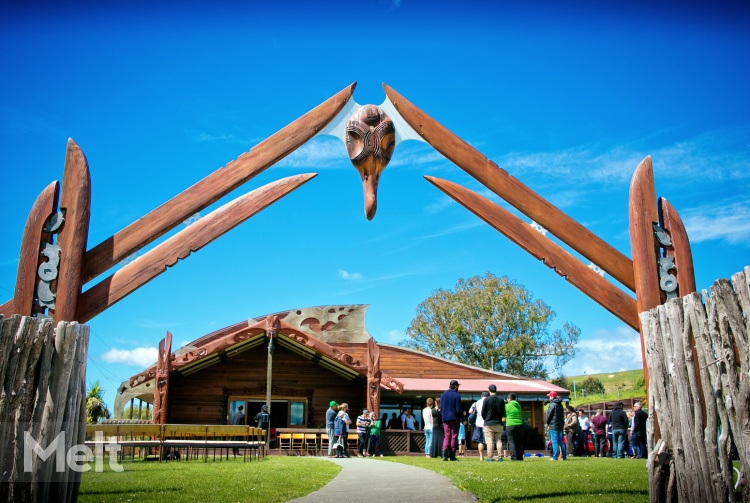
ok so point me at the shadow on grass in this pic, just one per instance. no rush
(568, 494)
(110, 492)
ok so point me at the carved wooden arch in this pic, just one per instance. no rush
(54, 242)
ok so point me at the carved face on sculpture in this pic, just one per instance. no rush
(370, 140)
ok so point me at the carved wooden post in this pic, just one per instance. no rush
(272, 327)
(42, 383)
(373, 376)
(163, 367)
(692, 460)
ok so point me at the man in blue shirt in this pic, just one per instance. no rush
(450, 406)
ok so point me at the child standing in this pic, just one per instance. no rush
(462, 435)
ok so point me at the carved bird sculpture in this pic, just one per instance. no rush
(370, 140)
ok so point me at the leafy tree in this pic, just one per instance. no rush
(563, 382)
(591, 386)
(145, 414)
(493, 323)
(639, 383)
(96, 409)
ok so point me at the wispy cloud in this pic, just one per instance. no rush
(453, 229)
(607, 351)
(393, 336)
(202, 136)
(323, 152)
(155, 324)
(726, 221)
(349, 275)
(717, 155)
(140, 357)
(439, 205)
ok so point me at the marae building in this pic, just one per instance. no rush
(310, 356)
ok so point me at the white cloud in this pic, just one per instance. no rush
(349, 275)
(607, 351)
(717, 155)
(727, 221)
(454, 229)
(325, 152)
(139, 357)
(155, 324)
(393, 336)
(439, 205)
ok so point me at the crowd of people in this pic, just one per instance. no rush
(497, 428)
(583, 436)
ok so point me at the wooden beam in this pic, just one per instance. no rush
(563, 263)
(680, 249)
(216, 185)
(28, 259)
(142, 270)
(643, 215)
(75, 202)
(516, 193)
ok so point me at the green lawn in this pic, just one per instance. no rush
(620, 480)
(275, 479)
(282, 478)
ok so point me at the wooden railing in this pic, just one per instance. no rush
(189, 440)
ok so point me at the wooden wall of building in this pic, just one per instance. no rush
(200, 398)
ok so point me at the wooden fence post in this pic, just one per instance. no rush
(699, 424)
(42, 395)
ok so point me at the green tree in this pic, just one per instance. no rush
(591, 386)
(563, 382)
(145, 414)
(493, 323)
(96, 409)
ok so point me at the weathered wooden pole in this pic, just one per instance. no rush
(42, 405)
(700, 394)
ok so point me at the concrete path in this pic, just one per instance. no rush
(372, 479)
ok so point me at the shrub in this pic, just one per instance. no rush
(592, 386)
(563, 382)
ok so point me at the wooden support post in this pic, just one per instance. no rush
(692, 460)
(42, 378)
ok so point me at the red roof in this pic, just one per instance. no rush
(478, 385)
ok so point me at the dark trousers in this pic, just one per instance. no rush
(571, 438)
(363, 438)
(600, 441)
(515, 442)
(374, 447)
(450, 430)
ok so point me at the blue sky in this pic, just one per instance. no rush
(567, 98)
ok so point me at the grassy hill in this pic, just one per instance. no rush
(626, 384)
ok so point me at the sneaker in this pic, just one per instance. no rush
(489, 460)
(381, 455)
(499, 459)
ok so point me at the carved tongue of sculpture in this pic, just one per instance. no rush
(370, 140)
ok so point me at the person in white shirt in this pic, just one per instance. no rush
(583, 442)
(428, 424)
(475, 413)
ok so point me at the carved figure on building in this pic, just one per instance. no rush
(161, 393)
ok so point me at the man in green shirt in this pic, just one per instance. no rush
(514, 428)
